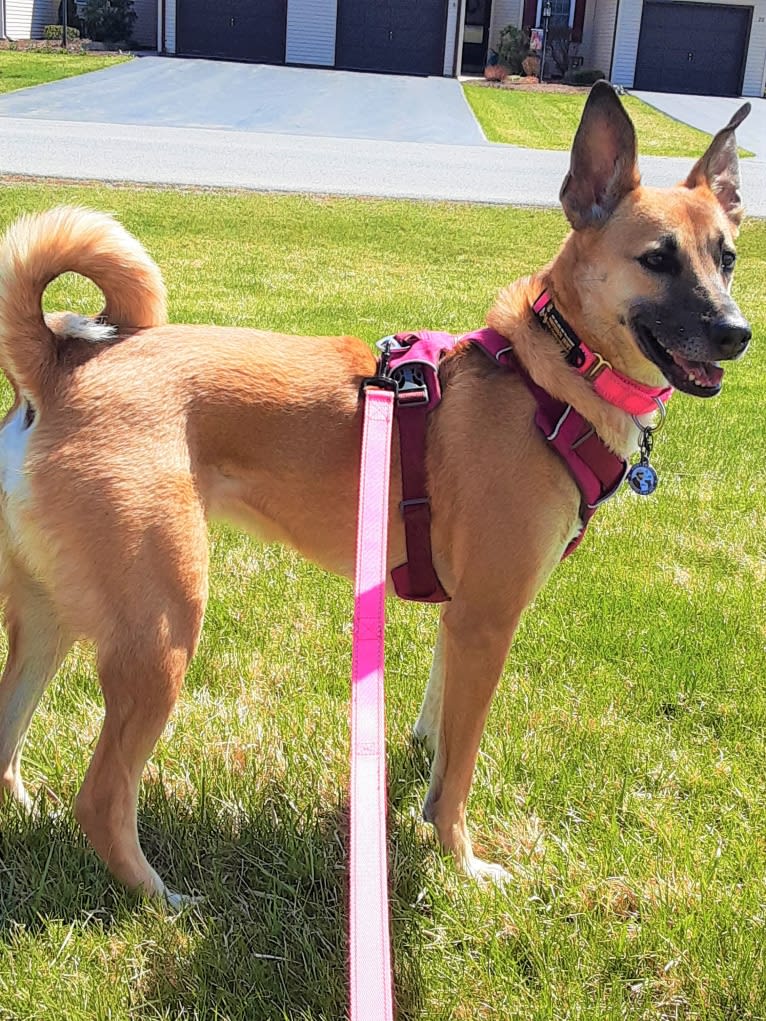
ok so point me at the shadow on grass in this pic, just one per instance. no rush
(270, 939)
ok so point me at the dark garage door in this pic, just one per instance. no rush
(405, 36)
(692, 48)
(233, 29)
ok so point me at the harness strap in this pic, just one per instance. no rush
(417, 576)
(416, 360)
(597, 471)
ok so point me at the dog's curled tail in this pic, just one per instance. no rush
(38, 248)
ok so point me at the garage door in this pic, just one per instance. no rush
(391, 35)
(692, 48)
(233, 29)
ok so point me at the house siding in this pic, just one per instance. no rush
(453, 8)
(311, 31)
(25, 19)
(598, 35)
(504, 12)
(170, 26)
(629, 29)
(626, 41)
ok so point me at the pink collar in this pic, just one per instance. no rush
(625, 393)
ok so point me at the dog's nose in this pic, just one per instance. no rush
(730, 335)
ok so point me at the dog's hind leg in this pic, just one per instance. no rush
(36, 646)
(154, 630)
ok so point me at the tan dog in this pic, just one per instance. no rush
(119, 448)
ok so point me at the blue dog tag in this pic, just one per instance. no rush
(642, 479)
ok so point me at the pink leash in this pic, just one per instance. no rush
(371, 981)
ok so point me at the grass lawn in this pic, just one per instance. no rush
(20, 70)
(537, 120)
(621, 778)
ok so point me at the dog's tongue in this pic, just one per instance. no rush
(701, 373)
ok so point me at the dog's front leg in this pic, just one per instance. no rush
(426, 728)
(471, 651)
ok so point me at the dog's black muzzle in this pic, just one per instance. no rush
(730, 334)
(688, 343)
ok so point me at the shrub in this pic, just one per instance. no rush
(512, 48)
(531, 66)
(584, 76)
(495, 72)
(109, 21)
(53, 32)
(558, 42)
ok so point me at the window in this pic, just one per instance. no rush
(562, 12)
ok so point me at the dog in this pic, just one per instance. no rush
(127, 434)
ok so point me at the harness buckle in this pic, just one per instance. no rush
(383, 379)
(411, 385)
(379, 383)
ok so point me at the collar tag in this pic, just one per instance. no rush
(556, 324)
(642, 478)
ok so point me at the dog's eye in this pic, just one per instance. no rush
(728, 259)
(658, 262)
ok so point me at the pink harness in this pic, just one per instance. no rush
(413, 365)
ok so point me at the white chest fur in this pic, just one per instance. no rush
(15, 436)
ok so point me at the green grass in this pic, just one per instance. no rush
(537, 120)
(19, 70)
(621, 775)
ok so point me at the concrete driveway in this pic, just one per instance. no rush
(179, 93)
(711, 113)
(131, 132)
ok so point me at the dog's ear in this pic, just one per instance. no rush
(603, 167)
(718, 169)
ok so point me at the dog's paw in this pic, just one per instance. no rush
(487, 872)
(13, 792)
(177, 902)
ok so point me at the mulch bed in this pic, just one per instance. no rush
(52, 46)
(528, 85)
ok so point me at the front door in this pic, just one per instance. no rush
(476, 35)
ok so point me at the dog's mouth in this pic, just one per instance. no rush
(700, 379)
